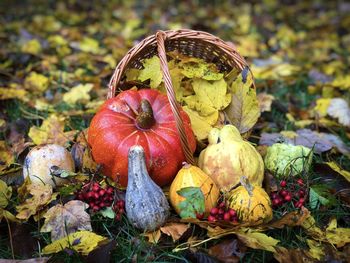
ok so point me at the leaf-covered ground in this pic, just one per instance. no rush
(56, 60)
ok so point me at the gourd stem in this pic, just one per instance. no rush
(186, 165)
(245, 182)
(145, 120)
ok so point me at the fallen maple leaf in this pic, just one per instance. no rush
(79, 93)
(62, 220)
(51, 131)
(339, 109)
(82, 241)
(265, 101)
(39, 195)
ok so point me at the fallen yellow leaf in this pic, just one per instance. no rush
(336, 168)
(79, 93)
(32, 46)
(51, 131)
(82, 241)
(153, 237)
(5, 194)
(36, 82)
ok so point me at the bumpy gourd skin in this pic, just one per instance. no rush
(228, 157)
(145, 203)
(252, 204)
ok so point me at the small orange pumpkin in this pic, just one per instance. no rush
(192, 176)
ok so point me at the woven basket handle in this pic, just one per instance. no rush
(175, 107)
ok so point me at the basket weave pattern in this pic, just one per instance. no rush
(188, 42)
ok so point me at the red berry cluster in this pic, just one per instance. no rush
(293, 191)
(221, 212)
(119, 209)
(96, 196)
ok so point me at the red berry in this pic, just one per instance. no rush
(95, 187)
(300, 182)
(214, 211)
(80, 196)
(95, 208)
(211, 218)
(227, 216)
(275, 202)
(287, 198)
(96, 196)
(121, 210)
(118, 217)
(222, 205)
(284, 193)
(301, 193)
(110, 190)
(199, 216)
(89, 195)
(221, 211)
(232, 212)
(102, 192)
(283, 183)
(301, 200)
(274, 195)
(102, 204)
(298, 205)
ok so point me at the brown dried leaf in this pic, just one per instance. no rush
(175, 230)
(265, 100)
(38, 196)
(228, 251)
(153, 237)
(63, 220)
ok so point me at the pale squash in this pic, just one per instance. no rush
(192, 176)
(228, 157)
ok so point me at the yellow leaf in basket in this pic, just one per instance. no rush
(244, 111)
(209, 96)
(198, 68)
(152, 72)
(201, 125)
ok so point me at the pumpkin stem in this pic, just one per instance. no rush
(245, 182)
(145, 119)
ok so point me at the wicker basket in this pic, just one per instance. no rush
(188, 42)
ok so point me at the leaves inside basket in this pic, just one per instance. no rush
(203, 91)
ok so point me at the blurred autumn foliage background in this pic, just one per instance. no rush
(56, 59)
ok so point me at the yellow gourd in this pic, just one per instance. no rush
(192, 176)
(252, 203)
(228, 157)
